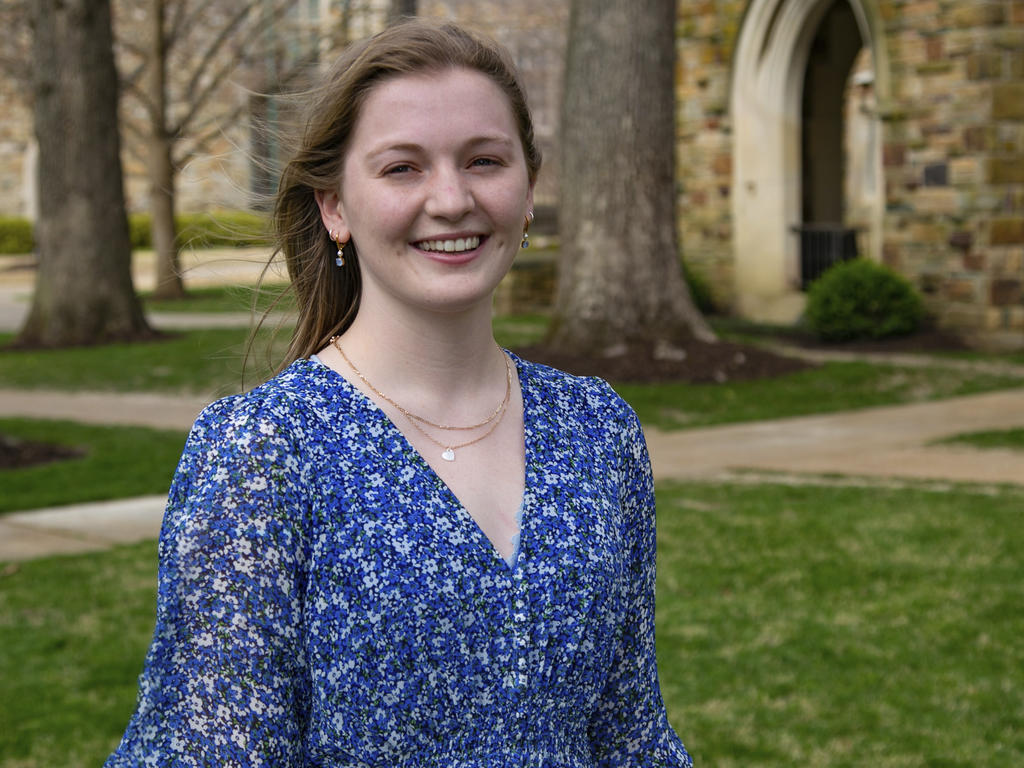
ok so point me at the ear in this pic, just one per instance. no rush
(331, 213)
(529, 197)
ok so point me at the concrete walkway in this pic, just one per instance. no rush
(79, 528)
(888, 442)
(882, 444)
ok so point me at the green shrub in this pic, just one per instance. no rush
(16, 235)
(139, 230)
(222, 228)
(700, 290)
(214, 229)
(860, 299)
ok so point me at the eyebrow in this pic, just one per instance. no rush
(414, 147)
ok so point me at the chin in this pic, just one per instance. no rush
(459, 302)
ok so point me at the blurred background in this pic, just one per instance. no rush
(802, 228)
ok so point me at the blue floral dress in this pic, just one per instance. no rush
(324, 599)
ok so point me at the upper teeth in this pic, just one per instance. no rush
(462, 244)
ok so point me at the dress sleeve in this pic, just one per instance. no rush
(630, 727)
(224, 682)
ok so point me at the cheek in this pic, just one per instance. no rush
(510, 207)
(380, 216)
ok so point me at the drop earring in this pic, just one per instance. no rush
(526, 230)
(340, 258)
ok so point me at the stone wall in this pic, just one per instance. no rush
(954, 161)
(16, 152)
(706, 35)
(952, 126)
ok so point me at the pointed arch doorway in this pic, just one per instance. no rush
(806, 75)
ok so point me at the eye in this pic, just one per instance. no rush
(398, 168)
(483, 162)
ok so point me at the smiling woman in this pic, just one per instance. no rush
(434, 194)
(410, 547)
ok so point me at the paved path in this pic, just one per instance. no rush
(887, 442)
(79, 527)
(126, 409)
(890, 443)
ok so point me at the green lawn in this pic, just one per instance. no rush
(828, 388)
(797, 626)
(996, 438)
(748, 332)
(210, 362)
(120, 462)
(73, 632)
(204, 361)
(226, 298)
(843, 626)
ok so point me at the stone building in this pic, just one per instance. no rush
(929, 95)
(231, 171)
(894, 128)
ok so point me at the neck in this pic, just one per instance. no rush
(428, 358)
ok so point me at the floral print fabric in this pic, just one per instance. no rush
(324, 599)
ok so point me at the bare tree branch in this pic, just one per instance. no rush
(130, 80)
(179, 86)
(200, 144)
(198, 97)
(134, 148)
(134, 89)
(123, 44)
(198, 100)
(215, 46)
(178, 23)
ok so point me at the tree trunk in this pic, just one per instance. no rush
(84, 292)
(169, 284)
(620, 276)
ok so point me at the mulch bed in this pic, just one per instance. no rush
(16, 454)
(704, 363)
(692, 361)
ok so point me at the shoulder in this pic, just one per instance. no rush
(586, 397)
(278, 424)
(580, 410)
(286, 403)
(250, 454)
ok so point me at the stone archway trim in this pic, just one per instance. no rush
(765, 104)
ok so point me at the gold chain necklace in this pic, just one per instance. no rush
(449, 449)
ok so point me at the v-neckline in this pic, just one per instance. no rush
(364, 401)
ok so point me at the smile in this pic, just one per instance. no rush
(450, 246)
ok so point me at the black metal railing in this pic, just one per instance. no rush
(822, 246)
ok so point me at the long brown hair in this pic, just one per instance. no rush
(328, 296)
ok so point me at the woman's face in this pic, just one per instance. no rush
(434, 191)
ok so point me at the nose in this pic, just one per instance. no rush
(449, 195)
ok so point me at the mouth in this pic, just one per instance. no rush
(453, 245)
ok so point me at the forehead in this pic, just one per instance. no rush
(431, 106)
